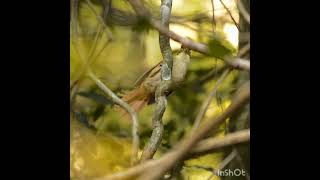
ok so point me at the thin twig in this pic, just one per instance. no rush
(73, 95)
(240, 160)
(224, 163)
(105, 27)
(243, 11)
(199, 47)
(213, 17)
(227, 160)
(230, 14)
(244, 50)
(91, 7)
(74, 16)
(161, 100)
(101, 29)
(133, 114)
(206, 104)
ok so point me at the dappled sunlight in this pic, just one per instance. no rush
(232, 34)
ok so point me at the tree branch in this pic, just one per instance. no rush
(224, 163)
(204, 146)
(74, 16)
(164, 41)
(230, 14)
(243, 11)
(100, 19)
(238, 63)
(213, 144)
(206, 104)
(199, 47)
(244, 50)
(133, 114)
(100, 30)
(213, 17)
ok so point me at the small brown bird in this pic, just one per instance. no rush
(146, 85)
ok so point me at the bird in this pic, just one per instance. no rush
(145, 86)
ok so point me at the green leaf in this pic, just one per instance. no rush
(96, 97)
(217, 49)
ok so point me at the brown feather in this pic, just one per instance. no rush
(137, 99)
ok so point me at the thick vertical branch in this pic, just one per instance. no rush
(164, 41)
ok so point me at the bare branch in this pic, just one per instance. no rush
(199, 47)
(224, 163)
(243, 11)
(102, 23)
(90, 59)
(238, 63)
(206, 104)
(133, 114)
(213, 18)
(212, 144)
(244, 50)
(230, 14)
(74, 16)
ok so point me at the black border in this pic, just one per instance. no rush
(35, 80)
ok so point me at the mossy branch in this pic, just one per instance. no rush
(160, 94)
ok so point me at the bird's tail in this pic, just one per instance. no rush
(136, 98)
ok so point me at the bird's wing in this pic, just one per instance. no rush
(146, 74)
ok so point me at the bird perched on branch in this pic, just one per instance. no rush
(146, 85)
